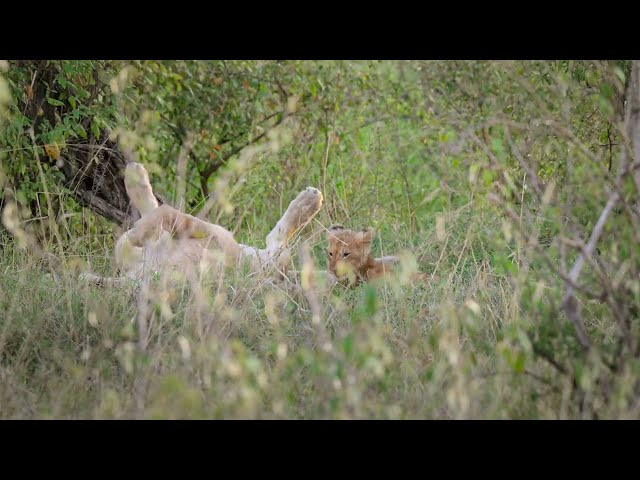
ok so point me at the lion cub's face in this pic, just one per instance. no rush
(348, 252)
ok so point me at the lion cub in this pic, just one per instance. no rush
(350, 256)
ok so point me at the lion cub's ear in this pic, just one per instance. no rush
(364, 238)
(333, 229)
(366, 235)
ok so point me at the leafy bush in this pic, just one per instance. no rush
(513, 184)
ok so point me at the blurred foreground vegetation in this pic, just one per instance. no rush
(515, 184)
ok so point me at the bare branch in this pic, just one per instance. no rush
(632, 131)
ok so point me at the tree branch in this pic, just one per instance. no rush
(207, 172)
(632, 132)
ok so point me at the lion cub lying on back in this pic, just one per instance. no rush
(350, 259)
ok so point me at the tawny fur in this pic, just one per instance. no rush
(350, 259)
(165, 238)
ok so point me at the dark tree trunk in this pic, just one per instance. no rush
(94, 173)
(93, 168)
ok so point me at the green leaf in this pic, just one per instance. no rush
(54, 102)
(82, 93)
(95, 128)
(81, 131)
(21, 197)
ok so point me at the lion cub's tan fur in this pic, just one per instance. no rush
(350, 259)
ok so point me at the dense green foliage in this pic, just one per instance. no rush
(489, 175)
